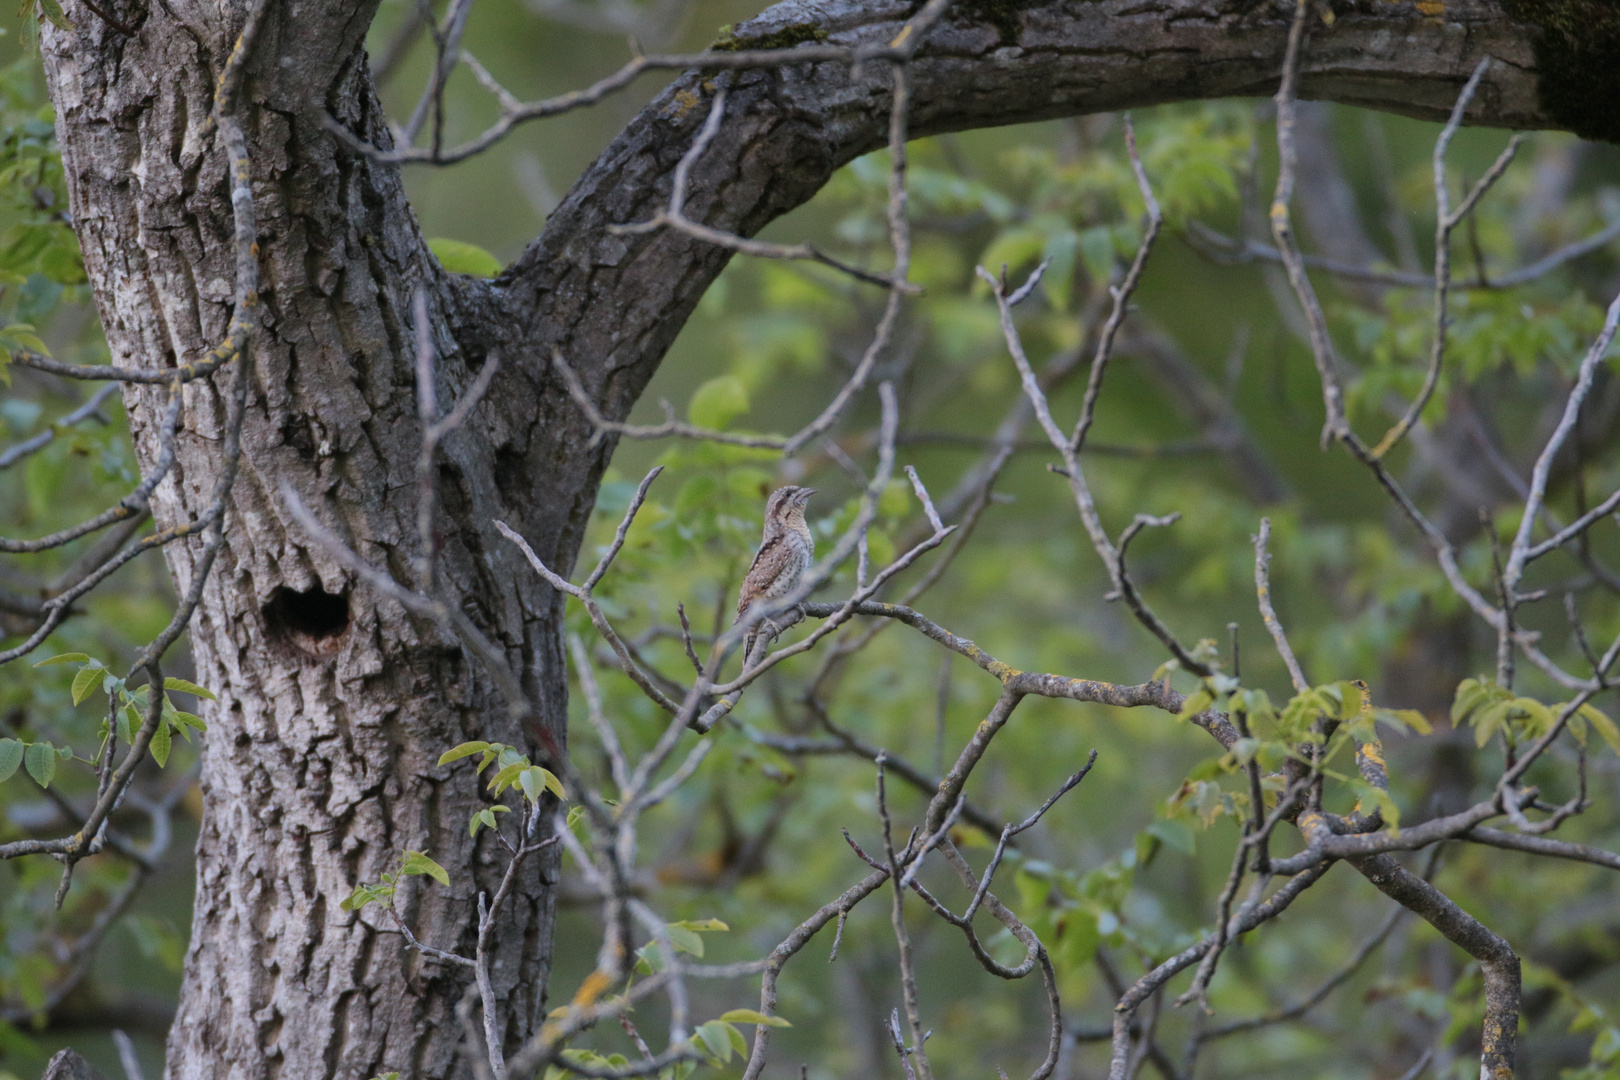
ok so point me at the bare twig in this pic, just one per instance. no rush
(91, 409)
(1282, 231)
(1446, 221)
(908, 973)
(674, 217)
(1262, 589)
(1121, 293)
(1230, 250)
(1067, 447)
(897, 51)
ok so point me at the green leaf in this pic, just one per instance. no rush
(649, 959)
(684, 940)
(418, 863)
(65, 658)
(1243, 751)
(534, 779)
(460, 257)
(466, 749)
(1489, 720)
(40, 759)
(750, 483)
(506, 777)
(85, 682)
(191, 720)
(1196, 702)
(1370, 798)
(1405, 720)
(50, 9)
(1473, 695)
(716, 1039)
(1597, 717)
(718, 402)
(160, 744)
(1097, 252)
(753, 1016)
(185, 687)
(1078, 938)
(485, 817)
(1018, 249)
(365, 894)
(11, 755)
(531, 783)
(1176, 835)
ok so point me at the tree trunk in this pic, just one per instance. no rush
(319, 763)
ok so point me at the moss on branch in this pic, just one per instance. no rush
(1577, 50)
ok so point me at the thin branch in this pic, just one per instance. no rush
(447, 41)
(1121, 293)
(617, 762)
(1446, 221)
(1230, 250)
(1497, 961)
(897, 917)
(671, 427)
(1282, 231)
(1541, 845)
(900, 49)
(1199, 991)
(1574, 529)
(1268, 614)
(582, 593)
(89, 410)
(135, 504)
(1010, 830)
(674, 217)
(1519, 552)
(1122, 584)
(1245, 920)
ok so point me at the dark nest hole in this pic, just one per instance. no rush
(311, 622)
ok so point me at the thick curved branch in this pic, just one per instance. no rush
(789, 127)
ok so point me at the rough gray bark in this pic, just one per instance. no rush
(319, 763)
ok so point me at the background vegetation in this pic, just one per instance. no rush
(1212, 410)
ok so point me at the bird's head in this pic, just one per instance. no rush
(786, 504)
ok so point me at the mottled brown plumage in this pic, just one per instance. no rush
(785, 551)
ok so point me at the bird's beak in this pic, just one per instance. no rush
(804, 496)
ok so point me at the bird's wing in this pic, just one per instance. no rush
(768, 563)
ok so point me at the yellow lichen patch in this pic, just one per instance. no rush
(685, 102)
(1373, 752)
(591, 988)
(1002, 670)
(1432, 8)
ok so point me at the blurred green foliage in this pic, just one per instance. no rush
(1128, 866)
